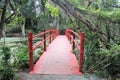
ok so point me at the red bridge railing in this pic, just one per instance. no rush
(71, 36)
(46, 34)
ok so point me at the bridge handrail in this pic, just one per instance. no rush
(74, 42)
(80, 46)
(41, 42)
(42, 33)
(51, 35)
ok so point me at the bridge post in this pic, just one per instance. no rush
(73, 45)
(50, 36)
(70, 38)
(30, 50)
(54, 34)
(44, 36)
(67, 33)
(82, 39)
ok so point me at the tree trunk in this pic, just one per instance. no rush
(58, 25)
(3, 17)
(28, 23)
(3, 33)
(23, 30)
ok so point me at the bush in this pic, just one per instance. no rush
(91, 47)
(7, 73)
(108, 63)
(37, 53)
(22, 57)
(5, 56)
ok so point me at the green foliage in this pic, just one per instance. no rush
(28, 9)
(112, 15)
(5, 53)
(106, 63)
(91, 47)
(116, 15)
(110, 62)
(76, 2)
(43, 21)
(1, 4)
(22, 57)
(54, 10)
(103, 62)
(43, 2)
(37, 53)
(108, 4)
(7, 73)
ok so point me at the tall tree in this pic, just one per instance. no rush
(4, 17)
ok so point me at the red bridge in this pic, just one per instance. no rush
(58, 56)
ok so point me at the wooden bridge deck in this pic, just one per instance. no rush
(58, 59)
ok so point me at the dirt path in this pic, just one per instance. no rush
(25, 76)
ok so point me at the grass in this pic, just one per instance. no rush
(12, 39)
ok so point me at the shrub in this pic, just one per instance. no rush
(22, 57)
(37, 53)
(7, 73)
(5, 56)
(108, 63)
(92, 46)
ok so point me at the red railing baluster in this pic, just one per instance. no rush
(44, 36)
(73, 44)
(82, 38)
(54, 35)
(66, 33)
(30, 50)
(50, 36)
(70, 38)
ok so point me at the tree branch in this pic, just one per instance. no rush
(4, 11)
(11, 5)
(79, 15)
(3, 16)
(72, 10)
(9, 17)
